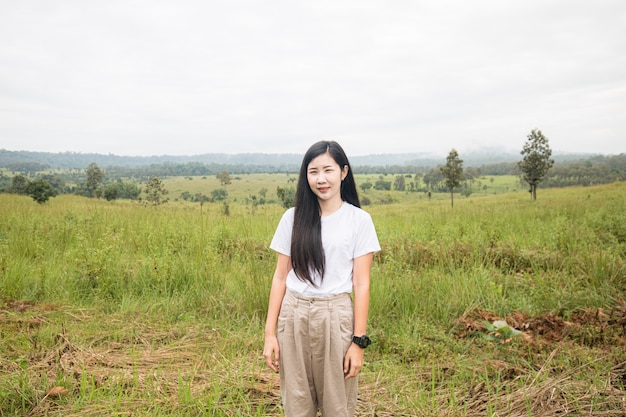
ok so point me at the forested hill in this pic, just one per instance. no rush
(33, 161)
(72, 160)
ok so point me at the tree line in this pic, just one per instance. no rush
(537, 166)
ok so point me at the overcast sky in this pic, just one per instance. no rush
(188, 77)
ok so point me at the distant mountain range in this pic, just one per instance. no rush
(291, 162)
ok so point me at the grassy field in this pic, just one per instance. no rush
(115, 308)
(243, 187)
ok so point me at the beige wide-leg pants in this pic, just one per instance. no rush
(314, 335)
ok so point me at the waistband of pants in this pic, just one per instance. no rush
(328, 299)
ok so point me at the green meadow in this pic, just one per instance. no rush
(243, 187)
(122, 309)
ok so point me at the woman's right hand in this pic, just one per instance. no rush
(277, 293)
(271, 352)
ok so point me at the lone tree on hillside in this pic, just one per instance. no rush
(452, 172)
(94, 178)
(40, 190)
(224, 177)
(286, 195)
(156, 192)
(399, 184)
(537, 160)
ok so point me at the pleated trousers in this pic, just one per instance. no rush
(314, 335)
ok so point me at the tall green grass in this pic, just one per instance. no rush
(504, 253)
(501, 253)
(86, 251)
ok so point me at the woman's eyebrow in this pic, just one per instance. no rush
(323, 167)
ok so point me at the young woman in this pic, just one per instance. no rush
(315, 332)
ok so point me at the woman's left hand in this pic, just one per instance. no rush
(353, 362)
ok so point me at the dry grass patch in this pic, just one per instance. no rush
(146, 368)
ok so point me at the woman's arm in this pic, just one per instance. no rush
(361, 287)
(279, 286)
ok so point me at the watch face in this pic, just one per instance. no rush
(362, 341)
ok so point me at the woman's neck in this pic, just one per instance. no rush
(329, 207)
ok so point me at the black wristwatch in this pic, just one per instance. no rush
(361, 341)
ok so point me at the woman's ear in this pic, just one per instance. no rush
(344, 172)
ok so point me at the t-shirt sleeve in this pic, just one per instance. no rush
(281, 242)
(366, 237)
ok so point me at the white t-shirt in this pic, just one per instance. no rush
(346, 234)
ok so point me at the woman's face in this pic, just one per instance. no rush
(324, 176)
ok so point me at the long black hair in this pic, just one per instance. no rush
(307, 252)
